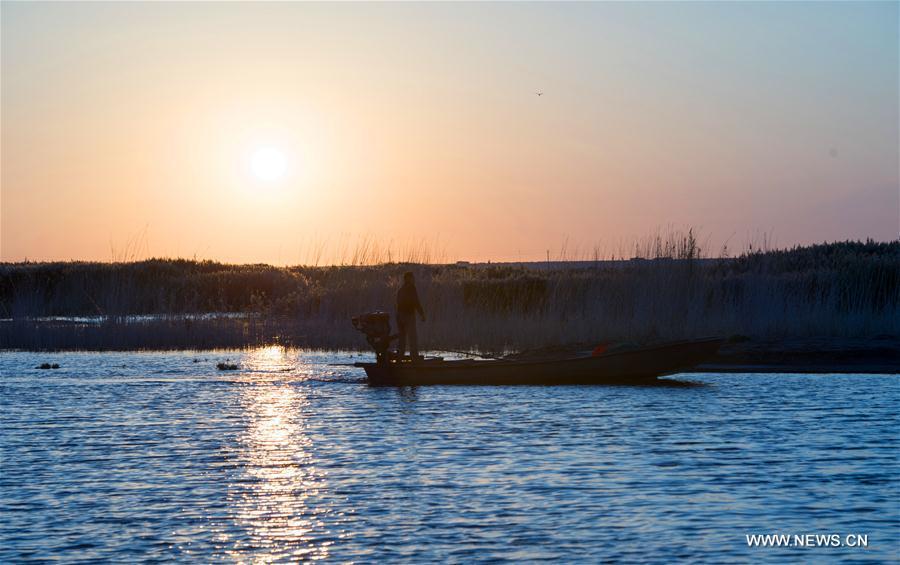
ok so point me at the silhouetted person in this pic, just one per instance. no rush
(407, 306)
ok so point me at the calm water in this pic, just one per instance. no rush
(126, 457)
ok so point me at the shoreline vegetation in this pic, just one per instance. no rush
(825, 306)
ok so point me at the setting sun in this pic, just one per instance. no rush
(268, 164)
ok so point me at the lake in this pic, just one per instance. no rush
(158, 456)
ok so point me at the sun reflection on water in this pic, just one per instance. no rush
(274, 498)
(271, 360)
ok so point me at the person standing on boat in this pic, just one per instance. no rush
(408, 306)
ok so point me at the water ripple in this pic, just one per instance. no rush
(154, 456)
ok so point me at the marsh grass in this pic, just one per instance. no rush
(669, 291)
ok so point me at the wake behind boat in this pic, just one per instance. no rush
(633, 366)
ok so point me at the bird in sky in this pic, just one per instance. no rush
(539, 93)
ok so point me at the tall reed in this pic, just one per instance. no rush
(670, 291)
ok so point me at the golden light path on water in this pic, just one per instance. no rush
(273, 498)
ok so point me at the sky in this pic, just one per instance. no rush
(309, 132)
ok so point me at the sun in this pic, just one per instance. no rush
(268, 163)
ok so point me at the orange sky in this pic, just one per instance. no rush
(128, 129)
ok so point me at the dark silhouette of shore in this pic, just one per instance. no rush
(808, 306)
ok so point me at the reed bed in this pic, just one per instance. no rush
(670, 291)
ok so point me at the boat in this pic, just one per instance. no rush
(636, 366)
(630, 366)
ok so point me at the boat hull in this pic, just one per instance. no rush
(626, 367)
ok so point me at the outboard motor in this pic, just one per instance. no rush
(377, 328)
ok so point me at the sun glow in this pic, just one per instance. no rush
(268, 164)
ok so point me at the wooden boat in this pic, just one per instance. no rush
(634, 366)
